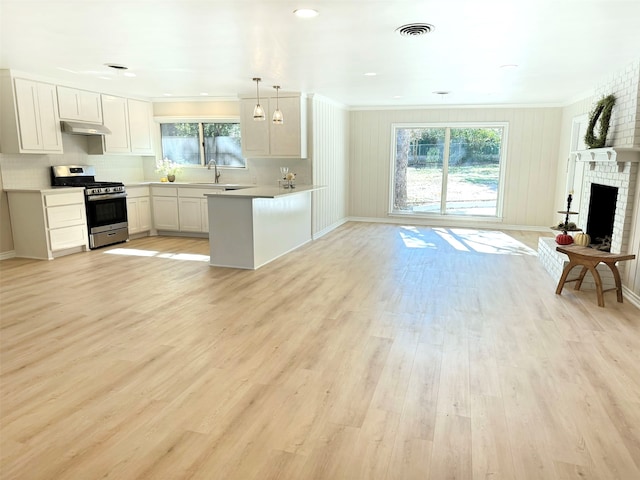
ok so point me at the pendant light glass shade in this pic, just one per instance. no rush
(278, 119)
(258, 111)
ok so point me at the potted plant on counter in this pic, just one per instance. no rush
(168, 169)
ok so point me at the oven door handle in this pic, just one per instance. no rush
(106, 196)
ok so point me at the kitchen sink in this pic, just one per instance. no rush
(224, 186)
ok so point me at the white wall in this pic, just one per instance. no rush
(329, 147)
(531, 163)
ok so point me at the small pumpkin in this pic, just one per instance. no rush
(564, 239)
(582, 239)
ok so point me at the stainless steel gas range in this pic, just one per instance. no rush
(106, 203)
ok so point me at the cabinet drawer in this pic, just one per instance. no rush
(66, 215)
(64, 199)
(68, 237)
(164, 191)
(136, 192)
(197, 192)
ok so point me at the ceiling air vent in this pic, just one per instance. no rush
(415, 29)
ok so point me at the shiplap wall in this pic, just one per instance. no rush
(329, 140)
(531, 161)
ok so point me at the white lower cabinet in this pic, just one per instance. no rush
(68, 237)
(165, 213)
(180, 209)
(138, 210)
(193, 209)
(165, 208)
(190, 214)
(139, 213)
(48, 223)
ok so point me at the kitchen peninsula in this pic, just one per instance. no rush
(250, 227)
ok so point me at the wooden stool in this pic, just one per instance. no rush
(589, 258)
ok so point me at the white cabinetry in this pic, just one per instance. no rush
(79, 105)
(116, 119)
(181, 209)
(165, 208)
(131, 125)
(267, 140)
(192, 206)
(30, 121)
(138, 210)
(48, 223)
(140, 127)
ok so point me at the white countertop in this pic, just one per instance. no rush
(47, 190)
(266, 191)
(201, 185)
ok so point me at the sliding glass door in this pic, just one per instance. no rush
(448, 170)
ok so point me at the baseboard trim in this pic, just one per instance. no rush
(449, 223)
(631, 296)
(7, 255)
(330, 228)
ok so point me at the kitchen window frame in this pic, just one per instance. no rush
(200, 121)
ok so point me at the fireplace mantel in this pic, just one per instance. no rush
(608, 155)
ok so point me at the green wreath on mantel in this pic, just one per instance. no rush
(601, 111)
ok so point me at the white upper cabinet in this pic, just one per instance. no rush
(116, 119)
(79, 105)
(255, 135)
(30, 123)
(267, 140)
(140, 127)
(131, 125)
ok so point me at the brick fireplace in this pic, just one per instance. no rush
(606, 167)
(617, 168)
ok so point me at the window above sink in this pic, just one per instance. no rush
(200, 143)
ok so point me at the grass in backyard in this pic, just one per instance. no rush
(465, 184)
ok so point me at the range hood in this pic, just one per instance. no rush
(79, 128)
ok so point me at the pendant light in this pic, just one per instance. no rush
(278, 119)
(258, 111)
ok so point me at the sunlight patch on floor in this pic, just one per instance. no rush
(412, 238)
(494, 242)
(464, 240)
(151, 253)
(484, 241)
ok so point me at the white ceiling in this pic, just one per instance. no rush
(187, 47)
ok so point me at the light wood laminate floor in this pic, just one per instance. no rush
(375, 352)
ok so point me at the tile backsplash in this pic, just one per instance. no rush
(32, 171)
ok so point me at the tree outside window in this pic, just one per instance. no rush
(448, 169)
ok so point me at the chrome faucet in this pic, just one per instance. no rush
(216, 173)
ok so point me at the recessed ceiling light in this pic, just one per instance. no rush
(370, 74)
(441, 92)
(305, 13)
(397, 96)
(102, 77)
(204, 94)
(129, 74)
(166, 94)
(509, 66)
